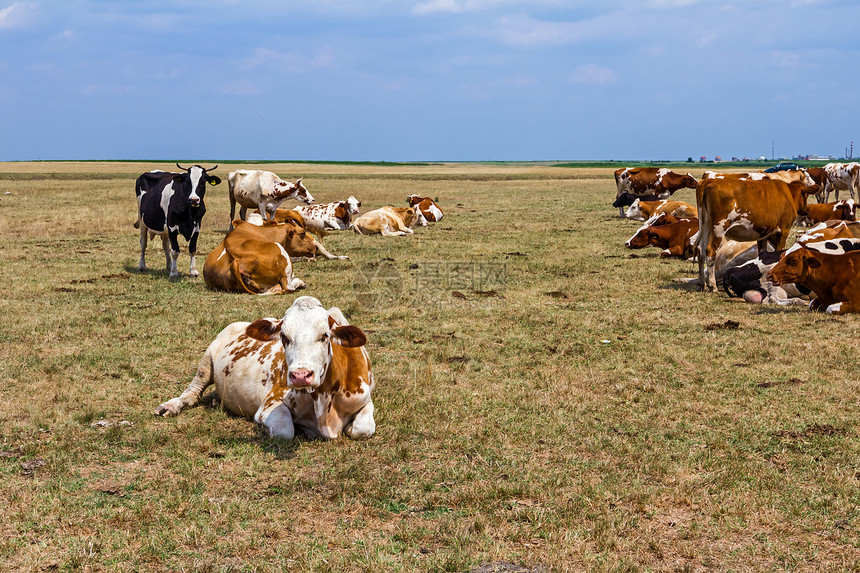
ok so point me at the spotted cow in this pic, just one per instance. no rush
(307, 372)
(643, 210)
(262, 190)
(389, 221)
(171, 204)
(319, 219)
(841, 177)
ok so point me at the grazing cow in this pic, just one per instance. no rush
(627, 199)
(429, 208)
(831, 269)
(254, 259)
(841, 177)
(838, 211)
(170, 204)
(650, 181)
(262, 190)
(303, 245)
(308, 371)
(750, 282)
(643, 210)
(745, 210)
(338, 215)
(389, 221)
(676, 239)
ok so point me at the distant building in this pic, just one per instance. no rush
(702, 159)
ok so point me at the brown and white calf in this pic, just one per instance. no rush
(429, 208)
(319, 219)
(307, 372)
(644, 210)
(389, 221)
(262, 190)
(836, 211)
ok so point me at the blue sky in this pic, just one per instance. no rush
(427, 80)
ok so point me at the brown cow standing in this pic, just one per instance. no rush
(745, 210)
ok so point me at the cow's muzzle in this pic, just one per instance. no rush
(301, 378)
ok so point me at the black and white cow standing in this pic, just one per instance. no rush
(170, 204)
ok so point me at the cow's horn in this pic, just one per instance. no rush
(212, 168)
(182, 168)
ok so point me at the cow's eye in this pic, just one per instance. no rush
(285, 340)
(324, 337)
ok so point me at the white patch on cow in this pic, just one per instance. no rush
(223, 252)
(195, 174)
(830, 247)
(437, 213)
(633, 212)
(834, 308)
(166, 194)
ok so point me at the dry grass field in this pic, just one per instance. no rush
(546, 399)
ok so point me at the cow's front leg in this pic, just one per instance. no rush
(173, 256)
(362, 425)
(843, 308)
(192, 251)
(275, 416)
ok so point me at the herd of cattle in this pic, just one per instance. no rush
(738, 230)
(315, 372)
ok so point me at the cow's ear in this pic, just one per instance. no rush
(264, 329)
(214, 180)
(349, 336)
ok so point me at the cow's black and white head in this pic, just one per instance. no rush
(196, 177)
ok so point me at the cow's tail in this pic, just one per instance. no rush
(237, 275)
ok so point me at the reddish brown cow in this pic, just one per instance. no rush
(745, 210)
(836, 211)
(831, 269)
(674, 238)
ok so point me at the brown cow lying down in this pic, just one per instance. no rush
(830, 230)
(306, 248)
(836, 211)
(254, 259)
(389, 221)
(675, 238)
(644, 210)
(831, 269)
(314, 370)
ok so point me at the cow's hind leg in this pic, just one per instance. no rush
(191, 395)
(144, 237)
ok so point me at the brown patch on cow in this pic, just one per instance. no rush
(245, 347)
(727, 325)
(792, 382)
(341, 211)
(810, 431)
(263, 329)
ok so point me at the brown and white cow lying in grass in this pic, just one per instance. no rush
(307, 371)
(255, 259)
(675, 236)
(644, 210)
(295, 218)
(429, 208)
(389, 221)
(319, 219)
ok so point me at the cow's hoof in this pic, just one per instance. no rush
(194, 273)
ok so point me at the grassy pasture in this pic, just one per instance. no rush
(571, 408)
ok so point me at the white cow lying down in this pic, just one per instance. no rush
(308, 370)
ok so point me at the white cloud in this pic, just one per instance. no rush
(289, 62)
(14, 15)
(592, 74)
(433, 6)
